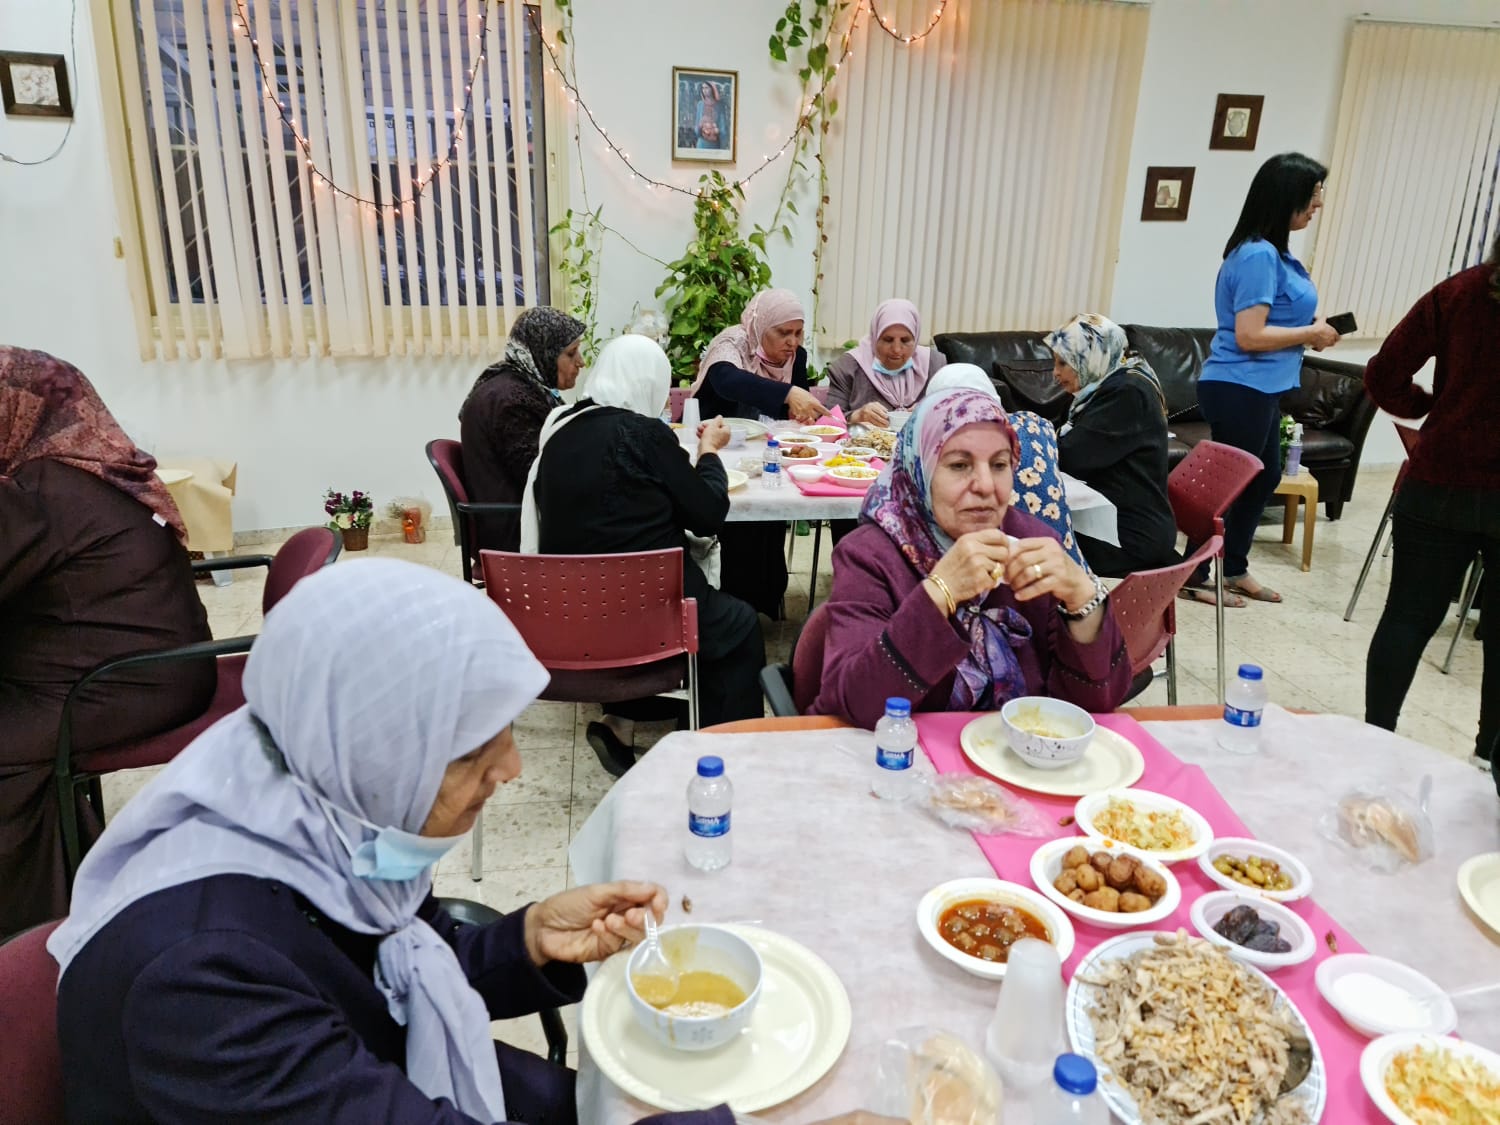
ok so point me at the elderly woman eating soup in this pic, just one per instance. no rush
(949, 596)
(888, 371)
(254, 937)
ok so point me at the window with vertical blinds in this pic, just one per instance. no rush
(425, 116)
(980, 171)
(1413, 192)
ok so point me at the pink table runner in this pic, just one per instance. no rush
(820, 488)
(1165, 773)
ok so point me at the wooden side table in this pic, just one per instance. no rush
(1300, 489)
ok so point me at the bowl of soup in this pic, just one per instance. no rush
(975, 922)
(719, 978)
(1046, 733)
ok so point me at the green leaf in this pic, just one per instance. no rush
(805, 73)
(562, 35)
(817, 56)
(833, 107)
(778, 49)
(790, 206)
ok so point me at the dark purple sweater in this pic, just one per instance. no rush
(886, 637)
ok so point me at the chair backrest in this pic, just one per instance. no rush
(675, 398)
(583, 612)
(807, 659)
(1205, 483)
(1145, 604)
(446, 457)
(307, 552)
(1408, 436)
(30, 1058)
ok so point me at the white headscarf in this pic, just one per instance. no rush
(367, 680)
(961, 376)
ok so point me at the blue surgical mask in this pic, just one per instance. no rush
(394, 855)
(884, 370)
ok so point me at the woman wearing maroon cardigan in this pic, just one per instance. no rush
(947, 595)
(1448, 510)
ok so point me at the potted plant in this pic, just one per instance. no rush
(350, 516)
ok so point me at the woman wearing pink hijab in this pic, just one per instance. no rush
(759, 365)
(888, 370)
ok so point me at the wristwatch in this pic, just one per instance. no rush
(1088, 607)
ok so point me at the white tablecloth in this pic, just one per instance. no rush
(816, 858)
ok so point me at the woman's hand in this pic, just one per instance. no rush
(803, 406)
(1322, 335)
(591, 923)
(872, 414)
(713, 436)
(972, 567)
(1040, 566)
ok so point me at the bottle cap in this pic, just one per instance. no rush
(898, 707)
(772, 443)
(711, 766)
(1075, 1074)
(1250, 672)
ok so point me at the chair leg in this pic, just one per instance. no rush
(1171, 671)
(557, 1036)
(476, 849)
(1364, 572)
(693, 722)
(812, 580)
(1219, 617)
(1471, 588)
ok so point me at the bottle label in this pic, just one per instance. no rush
(771, 466)
(710, 826)
(893, 759)
(1241, 717)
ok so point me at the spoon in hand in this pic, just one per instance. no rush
(655, 978)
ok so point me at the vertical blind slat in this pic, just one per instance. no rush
(281, 193)
(515, 60)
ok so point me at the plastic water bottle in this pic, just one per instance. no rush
(895, 747)
(1073, 1098)
(1244, 703)
(1294, 452)
(709, 795)
(770, 464)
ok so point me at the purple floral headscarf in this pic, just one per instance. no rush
(900, 502)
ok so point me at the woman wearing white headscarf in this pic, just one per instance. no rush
(254, 937)
(888, 370)
(759, 365)
(611, 478)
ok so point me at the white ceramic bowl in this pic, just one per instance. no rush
(804, 472)
(826, 433)
(843, 476)
(1210, 908)
(1095, 803)
(814, 454)
(1041, 750)
(1046, 866)
(1443, 1016)
(709, 949)
(941, 897)
(1378, 1056)
(863, 452)
(1242, 847)
(898, 419)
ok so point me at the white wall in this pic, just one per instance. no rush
(296, 427)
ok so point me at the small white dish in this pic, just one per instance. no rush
(1479, 884)
(737, 479)
(898, 419)
(1046, 866)
(863, 452)
(941, 897)
(705, 949)
(1358, 1005)
(1149, 802)
(807, 474)
(1378, 1056)
(1241, 847)
(849, 477)
(825, 432)
(1210, 908)
(1047, 751)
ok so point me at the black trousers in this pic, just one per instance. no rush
(1438, 533)
(1250, 420)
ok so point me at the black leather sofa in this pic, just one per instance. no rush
(1331, 403)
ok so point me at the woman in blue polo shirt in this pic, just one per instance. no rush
(1266, 308)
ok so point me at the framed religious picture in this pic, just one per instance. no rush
(705, 114)
(1168, 192)
(34, 85)
(1237, 121)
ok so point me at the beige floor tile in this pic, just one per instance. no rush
(546, 775)
(546, 724)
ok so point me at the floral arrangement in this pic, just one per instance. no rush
(1288, 423)
(355, 510)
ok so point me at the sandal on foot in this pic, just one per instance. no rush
(1259, 594)
(613, 754)
(1205, 595)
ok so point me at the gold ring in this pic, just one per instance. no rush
(997, 574)
(1036, 571)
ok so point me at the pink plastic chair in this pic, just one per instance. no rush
(675, 398)
(1408, 436)
(1145, 605)
(446, 457)
(793, 690)
(608, 627)
(30, 1058)
(1201, 489)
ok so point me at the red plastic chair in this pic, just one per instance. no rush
(675, 398)
(30, 1058)
(446, 457)
(608, 627)
(1408, 436)
(1201, 489)
(793, 690)
(304, 553)
(1145, 605)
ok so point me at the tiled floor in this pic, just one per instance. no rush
(1313, 659)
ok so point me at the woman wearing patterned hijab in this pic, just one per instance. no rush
(1116, 440)
(888, 371)
(950, 596)
(504, 412)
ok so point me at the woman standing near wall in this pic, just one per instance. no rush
(1266, 307)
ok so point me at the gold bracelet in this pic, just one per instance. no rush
(947, 594)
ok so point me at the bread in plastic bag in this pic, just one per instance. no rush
(932, 1077)
(1383, 831)
(980, 805)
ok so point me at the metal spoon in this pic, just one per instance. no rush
(655, 978)
(1298, 1063)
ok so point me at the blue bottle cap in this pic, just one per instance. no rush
(1075, 1074)
(772, 443)
(711, 766)
(898, 707)
(1250, 672)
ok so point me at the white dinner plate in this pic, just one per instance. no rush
(1112, 761)
(1380, 1053)
(1147, 801)
(944, 895)
(752, 428)
(1479, 883)
(1313, 1092)
(737, 479)
(796, 1034)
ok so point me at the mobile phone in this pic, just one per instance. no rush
(1343, 323)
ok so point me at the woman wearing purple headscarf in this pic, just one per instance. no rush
(888, 370)
(759, 365)
(951, 597)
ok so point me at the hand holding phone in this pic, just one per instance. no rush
(1343, 323)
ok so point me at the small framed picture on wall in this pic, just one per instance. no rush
(1237, 121)
(705, 114)
(33, 85)
(1168, 192)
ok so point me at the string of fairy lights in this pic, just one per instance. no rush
(888, 25)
